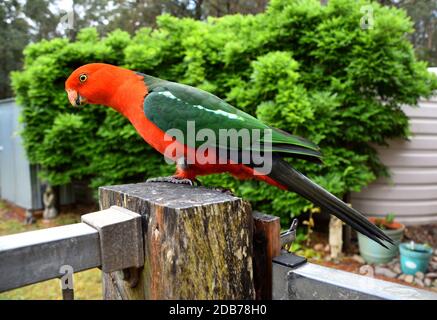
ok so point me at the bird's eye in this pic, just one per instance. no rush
(83, 77)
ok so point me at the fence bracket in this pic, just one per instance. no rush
(121, 239)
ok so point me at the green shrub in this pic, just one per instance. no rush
(306, 68)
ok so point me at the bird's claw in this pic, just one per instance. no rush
(225, 191)
(172, 179)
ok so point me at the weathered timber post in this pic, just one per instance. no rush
(198, 243)
(267, 245)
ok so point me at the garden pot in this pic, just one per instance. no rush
(414, 258)
(372, 252)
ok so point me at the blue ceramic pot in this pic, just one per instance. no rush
(414, 259)
(372, 252)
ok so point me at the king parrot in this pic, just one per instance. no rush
(155, 107)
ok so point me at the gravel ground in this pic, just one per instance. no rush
(423, 234)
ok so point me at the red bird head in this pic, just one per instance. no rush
(100, 83)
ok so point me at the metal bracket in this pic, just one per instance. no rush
(121, 238)
(289, 260)
(287, 237)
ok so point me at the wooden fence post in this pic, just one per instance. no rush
(267, 245)
(198, 243)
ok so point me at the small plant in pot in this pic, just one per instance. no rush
(371, 251)
(415, 257)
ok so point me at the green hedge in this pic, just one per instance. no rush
(306, 68)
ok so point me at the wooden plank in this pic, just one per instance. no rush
(198, 243)
(30, 257)
(266, 246)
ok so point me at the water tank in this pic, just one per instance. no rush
(411, 192)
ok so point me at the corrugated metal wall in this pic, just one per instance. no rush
(15, 172)
(411, 193)
(19, 181)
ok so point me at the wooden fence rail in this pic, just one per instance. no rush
(35, 256)
(151, 240)
(109, 239)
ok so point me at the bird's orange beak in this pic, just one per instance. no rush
(75, 98)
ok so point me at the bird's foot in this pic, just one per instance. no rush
(225, 191)
(173, 179)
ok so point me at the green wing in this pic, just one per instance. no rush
(171, 105)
